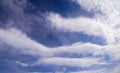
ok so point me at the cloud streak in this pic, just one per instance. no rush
(99, 25)
(71, 62)
(21, 42)
(17, 39)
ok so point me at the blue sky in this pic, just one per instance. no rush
(59, 36)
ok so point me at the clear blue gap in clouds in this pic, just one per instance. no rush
(3, 16)
(52, 68)
(59, 38)
(65, 8)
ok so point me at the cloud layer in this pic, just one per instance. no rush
(105, 24)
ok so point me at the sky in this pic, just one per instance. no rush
(59, 36)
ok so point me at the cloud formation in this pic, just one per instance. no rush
(15, 38)
(71, 62)
(25, 45)
(105, 24)
(99, 25)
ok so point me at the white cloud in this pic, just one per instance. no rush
(87, 26)
(25, 45)
(19, 40)
(103, 24)
(107, 11)
(22, 64)
(88, 48)
(105, 6)
(76, 24)
(72, 62)
(80, 48)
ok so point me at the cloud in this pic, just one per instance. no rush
(80, 48)
(106, 11)
(76, 24)
(22, 64)
(71, 62)
(25, 45)
(104, 25)
(17, 39)
(96, 5)
(88, 48)
(17, 63)
(81, 24)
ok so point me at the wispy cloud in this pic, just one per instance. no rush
(105, 24)
(21, 42)
(17, 39)
(71, 62)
